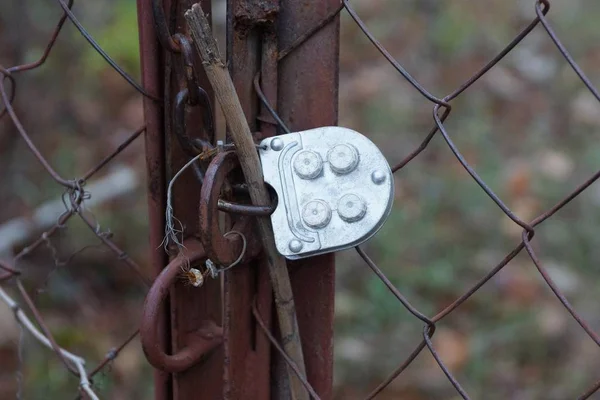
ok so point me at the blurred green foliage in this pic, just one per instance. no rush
(527, 128)
(119, 38)
(522, 130)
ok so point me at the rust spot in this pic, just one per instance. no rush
(250, 14)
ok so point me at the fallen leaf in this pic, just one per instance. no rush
(452, 347)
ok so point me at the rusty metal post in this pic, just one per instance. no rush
(247, 350)
(308, 98)
(187, 308)
(152, 56)
(190, 307)
(303, 87)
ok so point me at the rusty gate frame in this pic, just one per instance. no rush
(302, 85)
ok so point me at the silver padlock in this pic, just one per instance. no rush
(335, 190)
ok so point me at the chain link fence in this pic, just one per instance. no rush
(442, 107)
(77, 195)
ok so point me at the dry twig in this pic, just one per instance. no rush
(25, 322)
(222, 84)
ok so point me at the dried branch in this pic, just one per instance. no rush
(25, 322)
(222, 84)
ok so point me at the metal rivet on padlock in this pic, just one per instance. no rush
(295, 245)
(276, 144)
(335, 190)
(378, 177)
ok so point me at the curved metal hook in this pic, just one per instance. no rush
(208, 337)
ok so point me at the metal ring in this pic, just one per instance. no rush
(194, 146)
(220, 249)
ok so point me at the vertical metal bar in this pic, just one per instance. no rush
(162, 74)
(151, 56)
(308, 98)
(190, 306)
(247, 366)
(306, 88)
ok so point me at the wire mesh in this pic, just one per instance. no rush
(442, 107)
(76, 195)
(74, 200)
